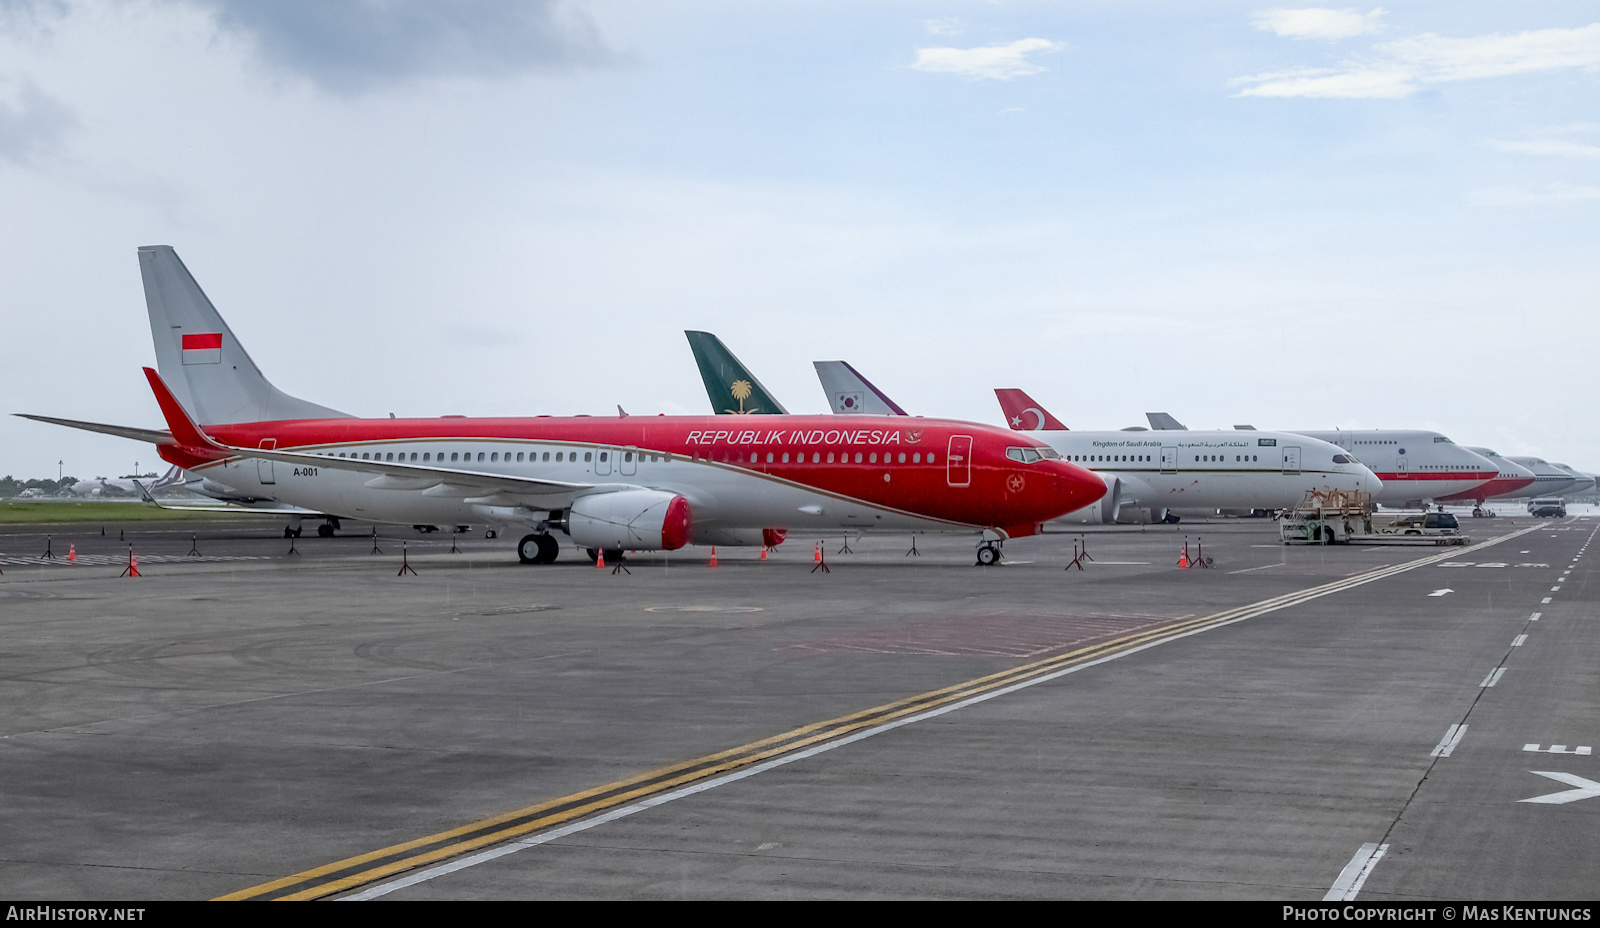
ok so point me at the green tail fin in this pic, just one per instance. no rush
(731, 387)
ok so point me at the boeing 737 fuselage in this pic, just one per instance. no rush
(629, 483)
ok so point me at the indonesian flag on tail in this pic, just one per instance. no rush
(202, 348)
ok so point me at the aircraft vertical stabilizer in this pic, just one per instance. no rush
(1024, 413)
(198, 356)
(1162, 422)
(729, 384)
(849, 392)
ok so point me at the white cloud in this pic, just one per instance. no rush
(1318, 23)
(1367, 83)
(1547, 147)
(1551, 193)
(988, 62)
(947, 26)
(1436, 58)
(1401, 67)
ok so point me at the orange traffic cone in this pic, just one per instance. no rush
(600, 559)
(763, 552)
(1183, 556)
(713, 555)
(816, 552)
(72, 553)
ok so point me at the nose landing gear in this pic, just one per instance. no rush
(989, 554)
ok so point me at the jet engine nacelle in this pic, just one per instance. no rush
(630, 520)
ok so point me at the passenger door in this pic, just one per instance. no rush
(628, 464)
(958, 463)
(602, 461)
(1291, 459)
(263, 465)
(1169, 460)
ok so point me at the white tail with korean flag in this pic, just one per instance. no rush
(198, 356)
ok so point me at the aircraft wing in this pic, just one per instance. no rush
(438, 481)
(446, 482)
(152, 436)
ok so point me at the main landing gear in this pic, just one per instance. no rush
(538, 549)
(989, 554)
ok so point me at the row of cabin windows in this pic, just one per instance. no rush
(818, 457)
(490, 456)
(1096, 458)
(628, 456)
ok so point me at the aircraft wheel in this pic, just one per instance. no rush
(548, 549)
(988, 556)
(490, 533)
(324, 530)
(594, 553)
(529, 549)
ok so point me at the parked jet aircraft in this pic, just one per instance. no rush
(1417, 467)
(1547, 480)
(1583, 483)
(1193, 468)
(1146, 477)
(630, 483)
(1509, 478)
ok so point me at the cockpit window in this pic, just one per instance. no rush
(1343, 459)
(1032, 455)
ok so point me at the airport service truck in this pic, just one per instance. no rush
(1342, 518)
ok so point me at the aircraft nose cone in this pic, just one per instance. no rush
(1079, 487)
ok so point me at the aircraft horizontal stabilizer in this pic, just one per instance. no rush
(152, 436)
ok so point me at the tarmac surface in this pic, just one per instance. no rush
(1292, 723)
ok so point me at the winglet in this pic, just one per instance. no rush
(1024, 413)
(184, 431)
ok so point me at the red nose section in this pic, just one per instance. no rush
(1076, 487)
(675, 525)
(773, 537)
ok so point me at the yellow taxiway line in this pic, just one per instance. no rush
(351, 872)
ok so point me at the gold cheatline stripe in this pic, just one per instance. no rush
(541, 816)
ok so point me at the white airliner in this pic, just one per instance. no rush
(1547, 479)
(1509, 479)
(1148, 474)
(1416, 466)
(1584, 484)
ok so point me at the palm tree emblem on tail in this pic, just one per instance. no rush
(741, 391)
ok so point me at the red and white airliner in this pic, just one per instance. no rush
(630, 483)
(1509, 480)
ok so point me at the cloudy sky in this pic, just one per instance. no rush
(1293, 217)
